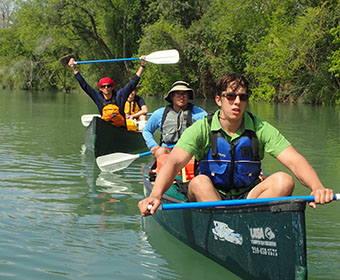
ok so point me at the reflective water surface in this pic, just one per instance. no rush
(60, 218)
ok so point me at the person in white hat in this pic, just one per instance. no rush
(173, 119)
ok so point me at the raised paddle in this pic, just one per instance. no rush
(87, 119)
(159, 57)
(191, 205)
(118, 161)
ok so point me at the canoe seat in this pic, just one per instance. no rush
(175, 192)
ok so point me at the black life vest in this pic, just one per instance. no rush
(174, 123)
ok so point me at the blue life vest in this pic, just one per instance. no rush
(232, 165)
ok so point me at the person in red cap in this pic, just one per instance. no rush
(110, 103)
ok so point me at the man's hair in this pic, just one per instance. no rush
(227, 79)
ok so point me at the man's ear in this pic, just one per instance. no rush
(218, 100)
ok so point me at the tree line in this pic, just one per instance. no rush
(289, 50)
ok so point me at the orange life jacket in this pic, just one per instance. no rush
(189, 169)
(111, 113)
(131, 125)
(131, 107)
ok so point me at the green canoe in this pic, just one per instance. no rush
(261, 241)
(103, 138)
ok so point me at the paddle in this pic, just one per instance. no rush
(118, 161)
(159, 57)
(87, 119)
(191, 205)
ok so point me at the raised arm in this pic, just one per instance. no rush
(142, 66)
(72, 64)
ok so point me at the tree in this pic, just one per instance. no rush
(6, 7)
(290, 63)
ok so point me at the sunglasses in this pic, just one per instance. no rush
(106, 86)
(232, 96)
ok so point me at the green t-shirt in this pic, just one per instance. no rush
(196, 139)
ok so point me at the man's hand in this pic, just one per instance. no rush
(321, 196)
(154, 149)
(148, 206)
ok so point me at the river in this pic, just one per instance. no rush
(60, 218)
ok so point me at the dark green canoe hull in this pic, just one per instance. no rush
(265, 241)
(103, 138)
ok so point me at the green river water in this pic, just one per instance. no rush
(60, 218)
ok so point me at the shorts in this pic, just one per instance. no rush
(228, 196)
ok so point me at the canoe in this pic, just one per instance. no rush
(259, 241)
(103, 138)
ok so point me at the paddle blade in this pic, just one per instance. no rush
(115, 162)
(163, 57)
(87, 119)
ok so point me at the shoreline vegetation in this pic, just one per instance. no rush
(289, 50)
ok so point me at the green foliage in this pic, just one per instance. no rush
(292, 57)
(157, 79)
(289, 50)
(335, 57)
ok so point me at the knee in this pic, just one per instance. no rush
(199, 183)
(201, 189)
(285, 178)
(285, 182)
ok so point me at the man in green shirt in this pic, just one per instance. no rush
(229, 147)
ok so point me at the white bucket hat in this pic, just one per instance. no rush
(180, 86)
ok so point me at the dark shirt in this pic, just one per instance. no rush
(138, 100)
(119, 99)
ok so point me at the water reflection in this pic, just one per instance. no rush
(113, 200)
(118, 183)
(114, 184)
(60, 218)
(180, 257)
(162, 255)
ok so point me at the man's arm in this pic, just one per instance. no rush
(123, 94)
(177, 159)
(143, 111)
(94, 95)
(152, 125)
(142, 66)
(305, 173)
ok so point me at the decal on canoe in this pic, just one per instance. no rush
(263, 241)
(223, 232)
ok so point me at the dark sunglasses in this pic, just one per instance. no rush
(232, 96)
(106, 86)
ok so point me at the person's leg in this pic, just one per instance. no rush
(201, 189)
(276, 185)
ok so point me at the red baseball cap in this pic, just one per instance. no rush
(106, 80)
